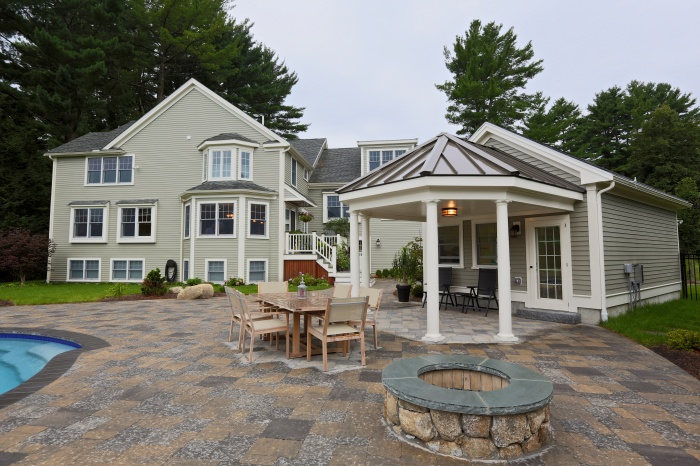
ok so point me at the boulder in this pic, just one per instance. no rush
(391, 408)
(479, 448)
(447, 424)
(417, 424)
(411, 407)
(508, 429)
(476, 426)
(511, 452)
(536, 418)
(445, 447)
(176, 289)
(203, 291)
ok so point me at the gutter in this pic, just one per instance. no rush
(603, 306)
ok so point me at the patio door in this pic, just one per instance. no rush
(549, 283)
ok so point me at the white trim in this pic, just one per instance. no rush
(236, 217)
(185, 206)
(388, 142)
(206, 269)
(52, 212)
(117, 182)
(281, 237)
(240, 266)
(240, 165)
(173, 98)
(619, 299)
(365, 156)
(210, 162)
(325, 207)
(189, 272)
(293, 171)
(307, 174)
(105, 224)
(227, 142)
(247, 269)
(452, 223)
(267, 219)
(136, 238)
(128, 268)
(84, 259)
(534, 301)
(484, 220)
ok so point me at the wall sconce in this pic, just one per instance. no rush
(378, 242)
(449, 212)
(515, 230)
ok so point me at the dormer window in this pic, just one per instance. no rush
(378, 158)
(227, 159)
(221, 164)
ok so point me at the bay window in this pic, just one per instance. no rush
(221, 164)
(217, 219)
(246, 166)
(258, 220)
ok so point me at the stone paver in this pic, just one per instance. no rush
(171, 390)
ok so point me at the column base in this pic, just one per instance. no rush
(433, 337)
(506, 337)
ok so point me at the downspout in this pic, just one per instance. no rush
(603, 307)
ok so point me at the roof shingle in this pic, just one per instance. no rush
(91, 141)
(309, 148)
(338, 166)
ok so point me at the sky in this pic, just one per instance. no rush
(367, 69)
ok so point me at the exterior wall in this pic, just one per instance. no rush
(302, 185)
(388, 146)
(169, 163)
(394, 234)
(640, 234)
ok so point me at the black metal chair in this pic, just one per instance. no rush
(484, 290)
(445, 282)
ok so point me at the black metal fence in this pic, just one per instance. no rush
(690, 273)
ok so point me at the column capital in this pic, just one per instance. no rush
(502, 201)
(353, 213)
(431, 201)
(363, 216)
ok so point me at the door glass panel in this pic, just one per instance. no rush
(549, 262)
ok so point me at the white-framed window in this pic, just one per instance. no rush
(84, 270)
(88, 224)
(257, 220)
(333, 208)
(257, 270)
(127, 270)
(484, 244)
(216, 270)
(290, 220)
(188, 220)
(294, 171)
(217, 219)
(245, 165)
(221, 161)
(450, 245)
(109, 170)
(307, 174)
(377, 158)
(185, 270)
(136, 224)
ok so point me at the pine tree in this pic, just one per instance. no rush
(489, 75)
(556, 127)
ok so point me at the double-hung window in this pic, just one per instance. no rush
(290, 220)
(246, 165)
(294, 172)
(127, 270)
(110, 170)
(334, 208)
(485, 244)
(82, 270)
(136, 223)
(88, 224)
(257, 270)
(188, 210)
(221, 162)
(450, 245)
(216, 270)
(258, 220)
(217, 219)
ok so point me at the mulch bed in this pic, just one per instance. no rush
(689, 361)
(140, 297)
(6, 303)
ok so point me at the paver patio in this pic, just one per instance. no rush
(171, 390)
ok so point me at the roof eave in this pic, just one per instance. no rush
(83, 153)
(217, 192)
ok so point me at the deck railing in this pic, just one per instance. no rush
(312, 243)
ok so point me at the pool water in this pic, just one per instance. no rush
(23, 356)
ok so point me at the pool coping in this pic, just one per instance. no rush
(56, 367)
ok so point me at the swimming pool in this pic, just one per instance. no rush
(23, 356)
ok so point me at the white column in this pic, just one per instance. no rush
(431, 272)
(364, 278)
(354, 254)
(505, 320)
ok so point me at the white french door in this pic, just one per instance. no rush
(549, 281)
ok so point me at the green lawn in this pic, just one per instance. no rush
(39, 292)
(649, 324)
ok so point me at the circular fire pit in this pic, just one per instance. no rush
(467, 406)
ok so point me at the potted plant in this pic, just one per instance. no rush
(306, 216)
(407, 267)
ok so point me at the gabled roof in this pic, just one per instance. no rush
(448, 155)
(338, 166)
(90, 142)
(231, 186)
(310, 149)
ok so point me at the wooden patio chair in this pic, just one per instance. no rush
(260, 327)
(256, 312)
(374, 296)
(484, 290)
(342, 290)
(336, 326)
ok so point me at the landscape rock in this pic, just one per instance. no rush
(476, 426)
(445, 447)
(536, 418)
(508, 429)
(411, 407)
(418, 424)
(479, 448)
(511, 451)
(176, 289)
(203, 291)
(447, 424)
(391, 408)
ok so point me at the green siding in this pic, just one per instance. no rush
(640, 234)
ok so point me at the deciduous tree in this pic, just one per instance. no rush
(24, 253)
(489, 76)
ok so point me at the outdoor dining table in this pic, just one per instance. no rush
(314, 304)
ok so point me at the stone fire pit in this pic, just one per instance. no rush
(468, 406)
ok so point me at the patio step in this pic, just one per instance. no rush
(549, 316)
